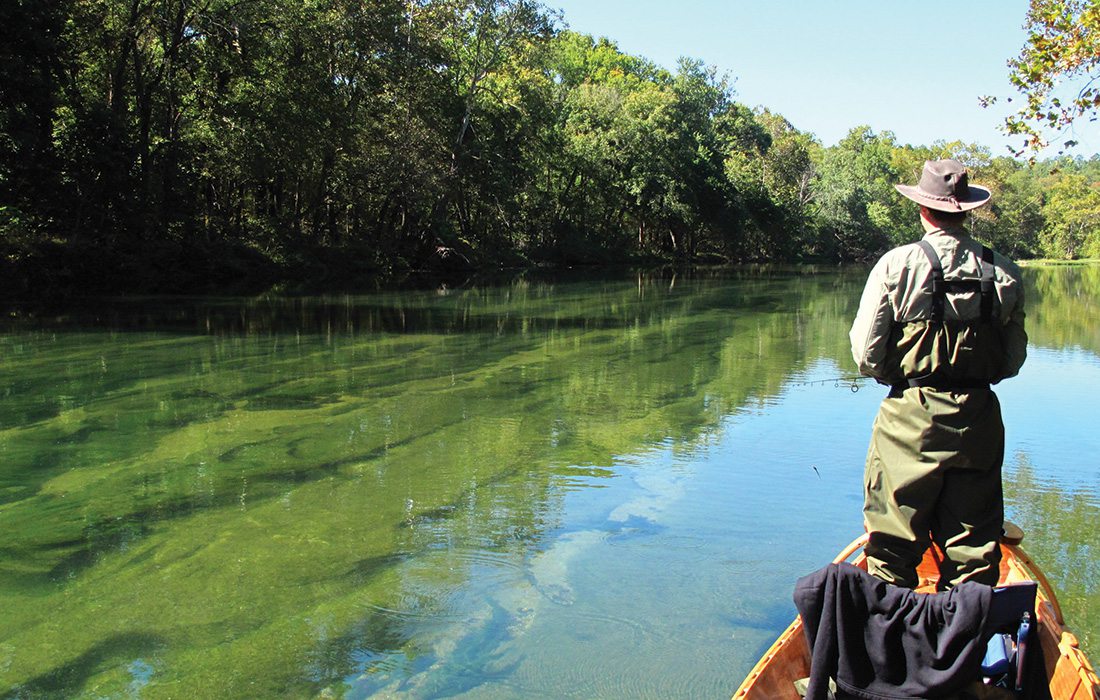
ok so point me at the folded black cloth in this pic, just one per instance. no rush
(882, 641)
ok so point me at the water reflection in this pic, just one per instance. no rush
(1064, 310)
(587, 488)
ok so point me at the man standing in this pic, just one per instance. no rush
(939, 321)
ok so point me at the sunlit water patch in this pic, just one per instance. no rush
(537, 490)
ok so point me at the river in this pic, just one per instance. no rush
(540, 488)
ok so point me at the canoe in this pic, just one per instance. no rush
(1069, 673)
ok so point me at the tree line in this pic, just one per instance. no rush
(181, 144)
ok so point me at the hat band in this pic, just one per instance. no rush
(951, 199)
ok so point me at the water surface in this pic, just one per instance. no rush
(537, 489)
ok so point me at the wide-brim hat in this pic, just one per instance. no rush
(944, 186)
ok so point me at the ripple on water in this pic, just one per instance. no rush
(644, 670)
(489, 562)
(663, 542)
(437, 586)
(595, 626)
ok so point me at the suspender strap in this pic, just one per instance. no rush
(938, 290)
(940, 286)
(988, 288)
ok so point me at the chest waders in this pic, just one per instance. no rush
(934, 465)
(938, 378)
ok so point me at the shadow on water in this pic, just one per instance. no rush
(71, 678)
(528, 304)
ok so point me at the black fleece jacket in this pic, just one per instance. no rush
(882, 641)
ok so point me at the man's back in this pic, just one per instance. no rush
(939, 321)
(892, 339)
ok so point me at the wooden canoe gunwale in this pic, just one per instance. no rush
(1069, 673)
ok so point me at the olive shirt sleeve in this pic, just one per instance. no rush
(870, 332)
(1013, 333)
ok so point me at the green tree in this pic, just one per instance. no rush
(858, 210)
(642, 167)
(33, 191)
(1012, 221)
(615, 126)
(1056, 71)
(709, 214)
(1072, 212)
(787, 171)
(175, 144)
(494, 55)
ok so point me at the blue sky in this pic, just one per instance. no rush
(914, 68)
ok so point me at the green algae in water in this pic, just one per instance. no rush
(397, 494)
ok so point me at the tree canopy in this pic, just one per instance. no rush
(168, 145)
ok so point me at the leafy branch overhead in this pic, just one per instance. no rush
(1057, 72)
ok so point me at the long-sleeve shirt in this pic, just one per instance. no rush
(892, 337)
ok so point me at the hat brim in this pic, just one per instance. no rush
(976, 196)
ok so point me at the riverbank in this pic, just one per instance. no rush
(1038, 262)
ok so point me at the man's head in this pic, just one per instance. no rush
(945, 187)
(942, 219)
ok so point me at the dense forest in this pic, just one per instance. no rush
(169, 145)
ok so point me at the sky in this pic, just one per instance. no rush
(916, 69)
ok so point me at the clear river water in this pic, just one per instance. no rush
(596, 488)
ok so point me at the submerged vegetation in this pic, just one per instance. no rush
(539, 489)
(196, 143)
